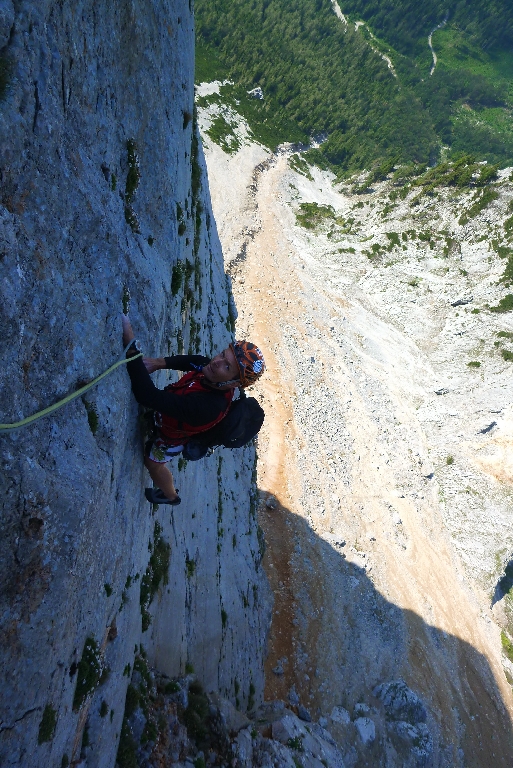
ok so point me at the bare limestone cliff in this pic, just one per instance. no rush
(104, 204)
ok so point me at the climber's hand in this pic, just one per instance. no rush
(128, 333)
(154, 363)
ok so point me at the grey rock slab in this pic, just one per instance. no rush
(231, 718)
(243, 749)
(289, 730)
(366, 730)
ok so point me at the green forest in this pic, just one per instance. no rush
(324, 79)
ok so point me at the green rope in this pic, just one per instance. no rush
(68, 399)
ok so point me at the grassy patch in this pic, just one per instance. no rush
(298, 164)
(92, 417)
(393, 239)
(223, 133)
(127, 749)
(504, 305)
(89, 672)
(141, 697)
(296, 743)
(182, 227)
(379, 173)
(481, 200)
(457, 51)
(461, 174)
(196, 716)
(177, 277)
(507, 275)
(132, 220)
(132, 182)
(156, 573)
(190, 567)
(5, 75)
(125, 300)
(507, 646)
(47, 725)
(134, 175)
(313, 215)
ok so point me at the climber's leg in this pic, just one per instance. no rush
(162, 477)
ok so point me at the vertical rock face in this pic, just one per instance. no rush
(104, 204)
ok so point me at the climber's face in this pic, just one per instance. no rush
(223, 367)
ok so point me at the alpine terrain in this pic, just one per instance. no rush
(377, 283)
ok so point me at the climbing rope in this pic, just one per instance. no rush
(69, 398)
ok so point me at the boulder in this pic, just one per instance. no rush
(366, 730)
(310, 741)
(304, 714)
(340, 715)
(243, 749)
(256, 93)
(400, 702)
(415, 738)
(233, 720)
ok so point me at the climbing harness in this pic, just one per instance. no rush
(177, 431)
(69, 398)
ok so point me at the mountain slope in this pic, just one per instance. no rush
(384, 462)
(321, 75)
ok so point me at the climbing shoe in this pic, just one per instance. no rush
(156, 496)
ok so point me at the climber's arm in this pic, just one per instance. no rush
(176, 363)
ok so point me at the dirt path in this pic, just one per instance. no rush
(367, 584)
(430, 43)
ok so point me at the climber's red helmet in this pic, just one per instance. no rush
(250, 361)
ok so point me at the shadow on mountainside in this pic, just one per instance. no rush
(334, 638)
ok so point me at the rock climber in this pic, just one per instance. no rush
(198, 401)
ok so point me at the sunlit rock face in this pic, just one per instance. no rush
(104, 207)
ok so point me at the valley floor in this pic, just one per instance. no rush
(385, 462)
